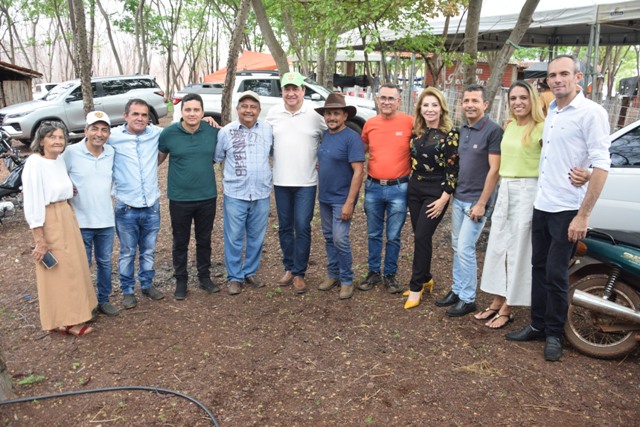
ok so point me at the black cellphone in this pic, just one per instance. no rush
(49, 260)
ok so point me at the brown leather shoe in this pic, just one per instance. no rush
(286, 280)
(346, 291)
(253, 281)
(299, 285)
(328, 283)
(234, 288)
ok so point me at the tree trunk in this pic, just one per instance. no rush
(502, 59)
(471, 41)
(83, 54)
(6, 393)
(232, 61)
(110, 37)
(279, 55)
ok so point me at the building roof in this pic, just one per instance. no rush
(7, 69)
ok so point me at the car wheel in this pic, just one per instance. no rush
(153, 118)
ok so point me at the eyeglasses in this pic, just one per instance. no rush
(387, 98)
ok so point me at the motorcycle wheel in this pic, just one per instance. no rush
(582, 328)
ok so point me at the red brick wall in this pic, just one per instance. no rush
(456, 77)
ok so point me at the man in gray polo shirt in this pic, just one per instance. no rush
(479, 152)
(90, 164)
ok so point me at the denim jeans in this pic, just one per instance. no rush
(295, 212)
(201, 213)
(464, 235)
(100, 242)
(136, 228)
(336, 238)
(245, 224)
(551, 252)
(378, 200)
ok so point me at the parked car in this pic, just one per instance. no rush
(618, 207)
(41, 89)
(267, 85)
(64, 104)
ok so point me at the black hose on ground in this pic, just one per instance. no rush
(106, 389)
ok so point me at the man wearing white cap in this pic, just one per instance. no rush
(245, 146)
(297, 131)
(90, 164)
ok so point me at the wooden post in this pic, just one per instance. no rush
(6, 392)
(622, 117)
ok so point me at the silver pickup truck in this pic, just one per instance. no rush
(267, 85)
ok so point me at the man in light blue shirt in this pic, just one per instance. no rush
(90, 164)
(245, 146)
(137, 211)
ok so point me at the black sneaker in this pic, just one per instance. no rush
(208, 285)
(181, 289)
(370, 281)
(153, 293)
(108, 309)
(393, 287)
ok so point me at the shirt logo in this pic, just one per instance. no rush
(399, 133)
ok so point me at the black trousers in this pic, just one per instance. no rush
(201, 213)
(420, 194)
(550, 258)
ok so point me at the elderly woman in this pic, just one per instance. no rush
(65, 292)
(434, 173)
(507, 264)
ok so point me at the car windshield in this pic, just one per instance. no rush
(58, 91)
(316, 87)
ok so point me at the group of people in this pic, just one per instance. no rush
(419, 163)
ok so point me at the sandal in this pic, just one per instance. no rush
(483, 314)
(510, 317)
(84, 330)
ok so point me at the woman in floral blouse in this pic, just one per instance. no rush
(434, 164)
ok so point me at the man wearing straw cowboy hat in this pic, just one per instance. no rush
(340, 171)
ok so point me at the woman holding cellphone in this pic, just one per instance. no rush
(65, 292)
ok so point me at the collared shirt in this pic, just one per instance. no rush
(575, 136)
(476, 143)
(92, 177)
(191, 177)
(245, 152)
(135, 166)
(296, 138)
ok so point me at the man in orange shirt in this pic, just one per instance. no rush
(386, 138)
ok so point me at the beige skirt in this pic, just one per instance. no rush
(65, 292)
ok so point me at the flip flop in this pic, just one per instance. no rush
(510, 317)
(64, 330)
(493, 312)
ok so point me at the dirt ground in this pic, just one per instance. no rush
(268, 357)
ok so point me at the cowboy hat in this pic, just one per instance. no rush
(336, 100)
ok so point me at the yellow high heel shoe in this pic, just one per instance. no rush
(411, 304)
(429, 284)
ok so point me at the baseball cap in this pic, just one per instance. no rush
(249, 94)
(97, 116)
(292, 78)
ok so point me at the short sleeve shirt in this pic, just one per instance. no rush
(388, 143)
(335, 155)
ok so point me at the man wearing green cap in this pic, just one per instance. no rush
(297, 131)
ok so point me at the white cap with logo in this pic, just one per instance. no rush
(97, 116)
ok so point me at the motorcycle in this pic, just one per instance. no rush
(11, 187)
(604, 298)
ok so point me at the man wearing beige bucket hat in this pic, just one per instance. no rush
(340, 172)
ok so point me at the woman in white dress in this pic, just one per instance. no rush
(65, 292)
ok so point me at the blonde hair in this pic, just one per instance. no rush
(419, 123)
(536, 115)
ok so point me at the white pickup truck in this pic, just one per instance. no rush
(267, 85)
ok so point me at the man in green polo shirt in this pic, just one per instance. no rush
(191, 189)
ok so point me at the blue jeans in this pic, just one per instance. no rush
(336, 238)
(136, 228)
(551, 252)
(378, 200)
(100, 242)
(244, 222)
(295, 212)
(464, 235)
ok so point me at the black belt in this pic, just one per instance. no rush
(385, 182)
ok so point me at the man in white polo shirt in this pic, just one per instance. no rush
(90, 165)
(297, 131)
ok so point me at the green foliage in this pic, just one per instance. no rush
(31, 379)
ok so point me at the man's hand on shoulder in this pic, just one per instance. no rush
(212, 122)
